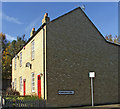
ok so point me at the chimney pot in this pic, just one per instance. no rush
(33, 29)
(32, 32)
(46, 19)
(46, 15)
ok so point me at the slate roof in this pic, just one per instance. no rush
(41, 27)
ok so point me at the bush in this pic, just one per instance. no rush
(31, 98)
(21, 98)
(11, 91)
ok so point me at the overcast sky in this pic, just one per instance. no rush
(19, 18)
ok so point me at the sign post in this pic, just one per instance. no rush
(92, 75)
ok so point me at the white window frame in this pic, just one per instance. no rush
(33, 82)
(15, 62)
(20, 83)
(33, 50)
(15, 83)
(20, 59)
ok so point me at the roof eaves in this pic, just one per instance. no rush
(117, 44)
(57, 19)
(31, 38)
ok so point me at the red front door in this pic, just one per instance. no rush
(24, 87)
(39, 86)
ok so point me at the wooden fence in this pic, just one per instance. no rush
(24, 103)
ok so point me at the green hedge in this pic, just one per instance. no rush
(21, 97)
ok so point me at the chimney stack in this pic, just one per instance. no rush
(32, 32)
(46, 19)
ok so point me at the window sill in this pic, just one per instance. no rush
(33, 91)
(32, 59)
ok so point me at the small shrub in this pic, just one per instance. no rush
(11, 91)
(20, 98)
(31, 98)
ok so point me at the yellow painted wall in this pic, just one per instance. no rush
(37, 66)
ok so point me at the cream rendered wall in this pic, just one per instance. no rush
(37, 65)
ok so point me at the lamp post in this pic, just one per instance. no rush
(28, 65)
(92, 75)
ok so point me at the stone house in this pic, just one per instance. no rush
(55, 62)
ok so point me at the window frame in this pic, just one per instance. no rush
(15, 62)
(33, 82)
(33, 50)
(15, 82)
(21, 83)
(20, 59)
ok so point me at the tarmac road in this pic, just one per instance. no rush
(111, 106)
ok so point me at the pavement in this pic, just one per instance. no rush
(110, 106)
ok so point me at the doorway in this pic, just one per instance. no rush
(24, 86)
(39, 85)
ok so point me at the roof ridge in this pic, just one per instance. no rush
(31, 38)
(89, 20)
(65, 14)
(60, 17)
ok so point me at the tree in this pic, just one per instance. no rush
(4, 41)
(6, 63)
(6, 59)
(19, 43)
(109, 38)
(112, 39)
(115, 40)
(9, 50)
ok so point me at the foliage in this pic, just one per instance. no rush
(113, 39)
(11, 91)
(4, 41)
(22, 98)
(24, 101)
(9, 50)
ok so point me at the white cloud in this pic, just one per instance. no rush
(32, 25)
(11, 19)
(10, 38)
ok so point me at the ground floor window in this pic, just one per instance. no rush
(21, 83)
(33, 82)
(15, 83)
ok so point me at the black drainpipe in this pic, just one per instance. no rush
(44, 58)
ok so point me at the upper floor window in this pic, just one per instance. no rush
(33, 50)
(33, 82)
(15, 62)
(21, 59)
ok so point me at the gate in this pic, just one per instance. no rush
(24, 103)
